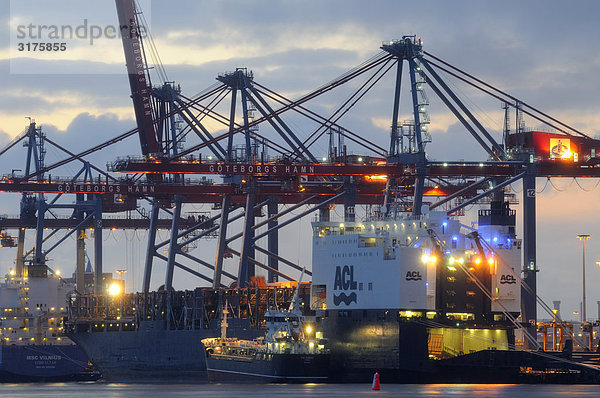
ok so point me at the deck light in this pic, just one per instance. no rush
(114, 289)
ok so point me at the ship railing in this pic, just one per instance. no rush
(183, 310)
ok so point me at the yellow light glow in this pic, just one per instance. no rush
(57, 272)
(376, 178)
(114, 289)
(308, 329)
(477, 260)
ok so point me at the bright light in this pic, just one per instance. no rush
(360, 159)
(308, 329)
(324, 159)
(376, 178)
(57, 272)
(12, 271)
(114, 289)
(566, 155)
(477, 260)
(451, 260)
(491, 261)
(425, 258)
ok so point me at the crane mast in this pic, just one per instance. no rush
(139, 80)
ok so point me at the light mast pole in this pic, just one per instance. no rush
(583, 238)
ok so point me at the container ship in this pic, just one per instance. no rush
(33, 346)
(417, 299)
(157, 337)
(401, 294)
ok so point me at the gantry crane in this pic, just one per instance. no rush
(394, 179)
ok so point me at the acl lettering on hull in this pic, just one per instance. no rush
(344, 280)
(506, 286)
(414, 276)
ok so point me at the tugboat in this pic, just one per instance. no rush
(292, 351)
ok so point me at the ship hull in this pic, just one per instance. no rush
(370, 341)
(44, 363)
(151, 353)
(148, 354)
(277, 368)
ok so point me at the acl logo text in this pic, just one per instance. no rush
(344, 280)
(507, 279)
(414, 276)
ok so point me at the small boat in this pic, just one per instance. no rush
(291, 351)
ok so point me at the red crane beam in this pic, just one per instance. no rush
(260, 169)
(138, 78)
(544, 168)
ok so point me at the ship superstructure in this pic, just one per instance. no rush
(33, 346)
(32, 309)
(404, 263)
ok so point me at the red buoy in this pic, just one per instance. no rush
(375, 382)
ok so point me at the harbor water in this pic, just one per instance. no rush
(115, 390)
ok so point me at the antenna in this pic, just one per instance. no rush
(295, 298)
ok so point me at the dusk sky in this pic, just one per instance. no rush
(543, 52)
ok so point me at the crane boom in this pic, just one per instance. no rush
(138, 78)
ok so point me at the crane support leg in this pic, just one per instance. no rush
(246, 269)
(528, 301)
(173, 245)
(273, 237)
(151, 248)
(98, 247)
(80, 261)
(222, 243)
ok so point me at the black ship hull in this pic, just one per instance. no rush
(151, 353)
(369, 341)
(269, 368)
